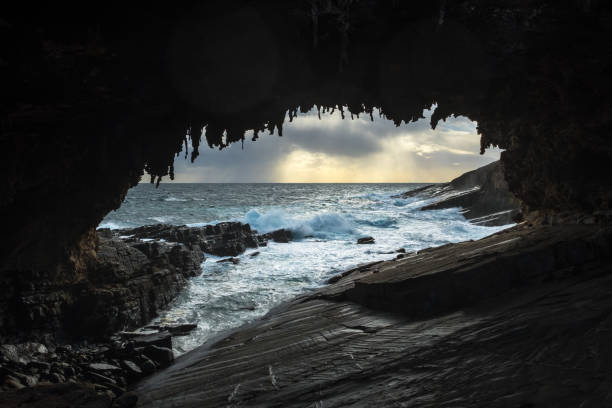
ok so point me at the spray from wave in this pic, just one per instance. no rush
(322, 225)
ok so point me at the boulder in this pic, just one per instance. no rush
(9, 352)
(281, 236)
(161, 356)
(146, 365)
(179, 328)
(163, 339)
(365, 240)
(235, 261)
(103, 367)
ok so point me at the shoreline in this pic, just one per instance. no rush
(128, 357)
(352, 315)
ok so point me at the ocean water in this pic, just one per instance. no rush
(326, 220)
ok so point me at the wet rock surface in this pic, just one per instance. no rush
(78, 374)
(222, 239)
(365, 240)
(520, 318)
(131, 275)
(482, 193)
(136, 273)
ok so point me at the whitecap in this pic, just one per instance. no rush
(321, 225)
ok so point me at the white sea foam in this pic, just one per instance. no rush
(112, 225)
(322, 225)
(171, 199)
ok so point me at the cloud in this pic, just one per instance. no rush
(334, 150)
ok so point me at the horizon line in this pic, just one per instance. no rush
(298, 182)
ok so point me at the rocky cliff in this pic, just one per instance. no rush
(482, 194)
(131, 275)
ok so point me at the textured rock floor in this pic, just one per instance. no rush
(525, 320)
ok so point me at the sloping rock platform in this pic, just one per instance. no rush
(482, 193)
(522, 318)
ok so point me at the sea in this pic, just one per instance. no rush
(326, 221)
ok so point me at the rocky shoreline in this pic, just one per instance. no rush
(135, 273)
(474, 313)
(482, 194)
(478, 323)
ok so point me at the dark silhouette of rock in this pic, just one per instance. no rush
(56, 396)
(162, 356)
(482, 193)
(365, 240)
(130, 279)
(157, 339)
(281, 235)
(235, 261)
(222, 239)
(179, 329)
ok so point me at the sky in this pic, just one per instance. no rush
(335, 150)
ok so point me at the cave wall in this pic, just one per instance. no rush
(94, 96)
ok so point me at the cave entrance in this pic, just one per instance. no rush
(331, 180)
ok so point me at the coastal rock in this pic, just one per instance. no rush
(103, 367)
(281, 236)
(483, 195)
(9, 352)
(128, 283)
(222, 239)
(56, 396)
(132, 368)
(528, 294)
(162, 356)
(179, 329)
(158, 339)
(235, 261)
(365, 240)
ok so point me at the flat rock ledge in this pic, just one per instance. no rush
(521, 318)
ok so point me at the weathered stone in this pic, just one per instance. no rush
(235, 261)
(482, 308)
(146, 365)
(55, 396)
(162, 356)
(281, 236)
(132, 368)
(162, 339)
(9, 352)
(103, 367)
(127, 400)
(56, 378)
(365, 240)
(12, 382)
(482, 193)
(41, 365)
(179, 328)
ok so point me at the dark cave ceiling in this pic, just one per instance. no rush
(92, 97)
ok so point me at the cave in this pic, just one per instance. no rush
(95, 97)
